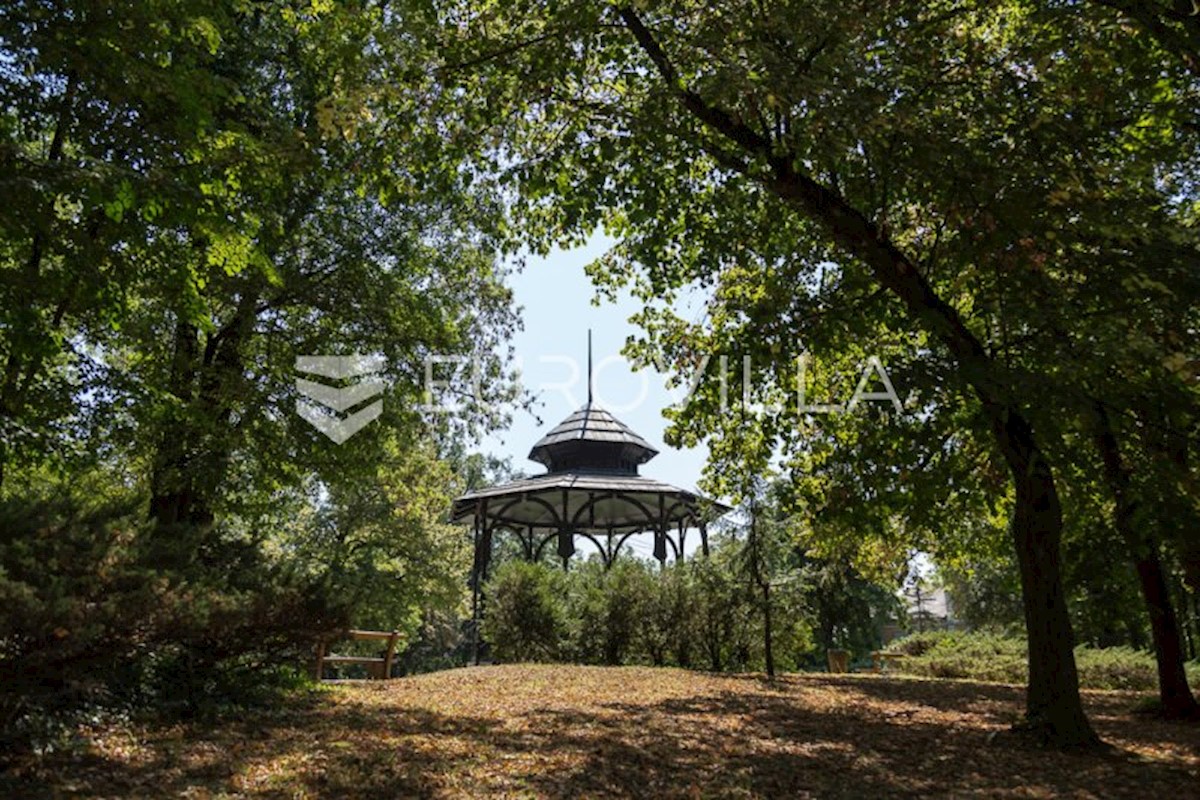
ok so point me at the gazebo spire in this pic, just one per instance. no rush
(589, 366)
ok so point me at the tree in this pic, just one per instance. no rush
(1053, 700)
(201, 193)
(1174, 694)
(921, 163)
(762, 132)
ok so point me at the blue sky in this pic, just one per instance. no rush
(555, 296)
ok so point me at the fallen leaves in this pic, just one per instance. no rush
(565, 731)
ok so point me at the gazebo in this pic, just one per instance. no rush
(591, 490)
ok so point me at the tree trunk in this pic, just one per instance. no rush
(1195, 644)
(1173, 691)
(172, 498)
(1053, 709)
(194, 450)
(764, 585)
(768, 653)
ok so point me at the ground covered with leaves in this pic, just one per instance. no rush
(562, 731)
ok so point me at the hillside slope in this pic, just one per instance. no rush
(563, 731)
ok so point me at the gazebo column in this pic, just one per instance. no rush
(478, 573)
(528, 544)
(682, 538)
(566, 541)
(566, 545)
(485, 554)
(660, 531)
(704, 537)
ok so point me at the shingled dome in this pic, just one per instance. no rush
(591, 489)
(592, 440)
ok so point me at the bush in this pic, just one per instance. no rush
(93, 621)
(980, 656)
(606, 609)
(703, 613)
(524, 615)
(1118, 668)
(989, 656)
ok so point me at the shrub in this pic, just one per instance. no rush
(977, 656)
(606, 609)
(524, 616)
(990, 656)
(1116, 668)
(92, 621)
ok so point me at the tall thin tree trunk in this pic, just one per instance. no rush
(1196, 625)
(768, 651)
(764, 585)
(194, 450)
(171, 497)
(1053, 706)
(1173, 691)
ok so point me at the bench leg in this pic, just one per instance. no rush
(320, 661)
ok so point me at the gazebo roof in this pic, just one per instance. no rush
(591, 484)
(591, 438)
(587, 502)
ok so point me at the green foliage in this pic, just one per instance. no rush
(971, 192)
(94, 618)
(976, 656)
(702, 613)
(721, 612)
(1122, 668)
(441, 641)
(985, 593)
(198, 193)
(379, 538)
(988, 656)
(666, 630)
(605, 608)
(525, 619)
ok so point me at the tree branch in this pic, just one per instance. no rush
(1182, 39)
(851, 229)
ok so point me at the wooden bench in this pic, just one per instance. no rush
(880, 659)
(377, 668)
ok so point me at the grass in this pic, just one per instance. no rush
(565, 731)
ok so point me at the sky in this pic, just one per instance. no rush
(555, 296)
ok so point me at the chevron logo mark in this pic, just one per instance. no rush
(328, 402)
